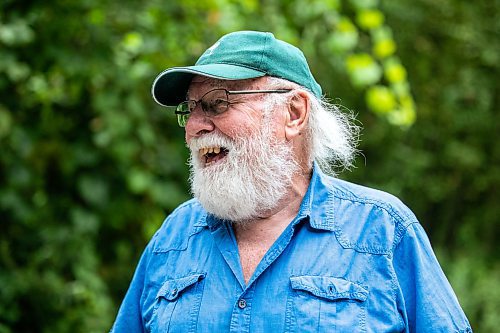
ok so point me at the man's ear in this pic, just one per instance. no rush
(297, 115)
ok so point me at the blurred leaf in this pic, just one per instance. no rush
(345, 37)
(380, 99)
(370, 19)
(394, 72)
(94, 190)
(5, 122)
(363, 69)
(132, 42)
(139, 181)
(364, 4)
(17, 32)
(384, 48)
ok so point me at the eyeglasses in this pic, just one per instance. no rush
(215, 102)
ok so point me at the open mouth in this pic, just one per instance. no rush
(211, 155)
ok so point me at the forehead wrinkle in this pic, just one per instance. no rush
(209, 82)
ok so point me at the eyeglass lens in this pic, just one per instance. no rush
(212, 103)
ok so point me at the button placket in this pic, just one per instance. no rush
(242, 308)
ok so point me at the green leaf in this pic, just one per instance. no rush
(370, 19)
(364, 4)
(394, 72)
(384, 48)
(5, 122)
(363, 69)
(380, 99)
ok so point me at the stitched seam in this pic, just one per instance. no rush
(263, 51)
(382, 206)
(241, 65)
(196, 230)
(394, 286)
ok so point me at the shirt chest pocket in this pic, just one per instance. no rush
(177, 304)
(325, 304)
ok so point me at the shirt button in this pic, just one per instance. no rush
(242, 303)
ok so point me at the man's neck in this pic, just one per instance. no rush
(255, 237)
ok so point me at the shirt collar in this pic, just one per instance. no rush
(316, 203)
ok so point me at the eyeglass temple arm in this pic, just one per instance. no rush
(246, 92)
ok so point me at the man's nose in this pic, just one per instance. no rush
(198, 123)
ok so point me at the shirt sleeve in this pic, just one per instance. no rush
(129, 317)
(428, 301)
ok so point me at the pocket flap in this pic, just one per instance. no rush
(171, 289)
(328, 287)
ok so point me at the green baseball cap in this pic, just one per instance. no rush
(237, 56)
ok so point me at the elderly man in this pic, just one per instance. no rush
(270, 243)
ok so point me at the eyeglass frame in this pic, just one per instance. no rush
(181, 115)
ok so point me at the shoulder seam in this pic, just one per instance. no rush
(379, 204)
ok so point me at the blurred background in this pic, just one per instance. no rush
(90, 166)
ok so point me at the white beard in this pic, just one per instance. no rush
(250, 181)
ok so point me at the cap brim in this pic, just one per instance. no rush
(170, 86)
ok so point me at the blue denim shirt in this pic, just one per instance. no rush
(353, 260)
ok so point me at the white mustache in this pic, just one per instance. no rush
(210, 140)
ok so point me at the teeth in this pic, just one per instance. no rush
(204, 151)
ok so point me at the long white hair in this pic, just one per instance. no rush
(332, 134)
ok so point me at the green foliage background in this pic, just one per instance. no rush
(90, 166)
